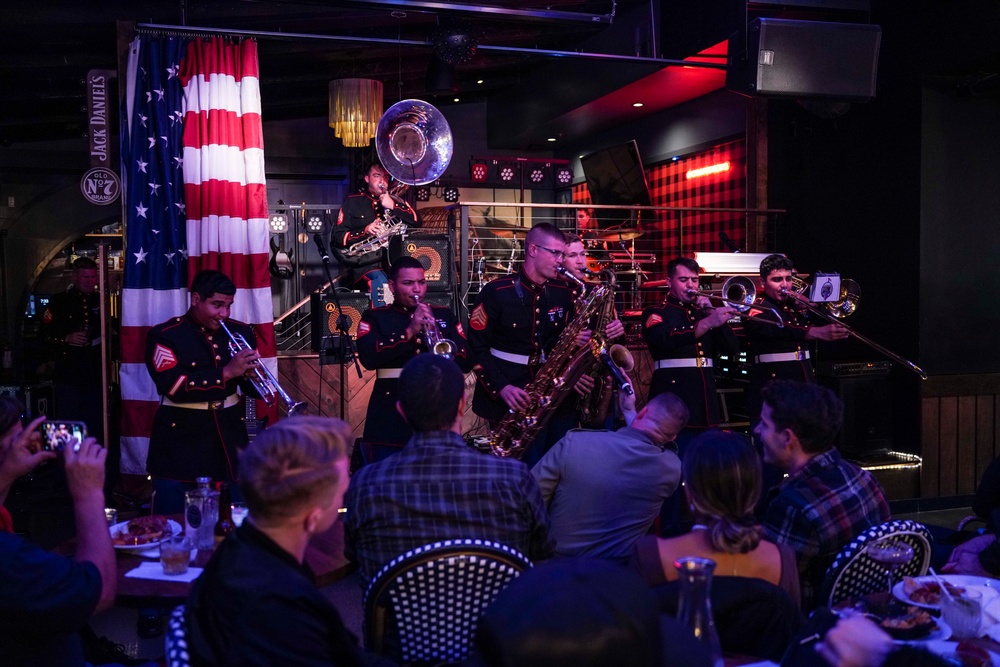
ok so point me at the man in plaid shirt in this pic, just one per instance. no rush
(825, 501)
(438, 487)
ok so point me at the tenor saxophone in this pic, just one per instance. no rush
(593, 408)
(555, 380)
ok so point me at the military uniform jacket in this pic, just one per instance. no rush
(382, 344)
(185, 361)
(66, 313)
(515, 316)
(668, 330)
(357, 212)
(768, 339)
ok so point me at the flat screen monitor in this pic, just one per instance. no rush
(615, 176)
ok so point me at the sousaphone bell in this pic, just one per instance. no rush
(414, 142)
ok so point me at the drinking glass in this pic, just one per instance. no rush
(175, 554)
(892, 554)
(963, 613)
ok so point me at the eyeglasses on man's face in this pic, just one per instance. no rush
(558, 254)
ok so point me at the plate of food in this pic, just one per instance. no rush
(901, 621)
(926, 592)
(964, 653)
(143, 532)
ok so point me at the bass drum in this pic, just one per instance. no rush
(414, 142)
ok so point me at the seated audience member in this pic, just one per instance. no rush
(722, 483)
(824, 502)
(605, 488)
(437, 487)
(582, 612)
(46, 599)
(256, 603)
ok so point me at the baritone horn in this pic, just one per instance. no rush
(740, 292)
(263, 379)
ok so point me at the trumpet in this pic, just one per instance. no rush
(263, 380)
(442, 347)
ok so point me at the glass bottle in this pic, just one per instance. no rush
(201, 511)
(695, 606)
(225, 524)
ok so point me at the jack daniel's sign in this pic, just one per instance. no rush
(100, 185)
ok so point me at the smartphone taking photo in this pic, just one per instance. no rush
(57, 434)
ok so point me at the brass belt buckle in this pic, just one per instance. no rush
(216, 405)
(701, 361)
(534, 359)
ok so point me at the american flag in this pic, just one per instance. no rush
(193, 160)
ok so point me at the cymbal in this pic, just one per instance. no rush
(620, 235)
(510, 232)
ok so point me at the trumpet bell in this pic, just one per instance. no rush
(413, 141)
(850, 296)
(739, 290)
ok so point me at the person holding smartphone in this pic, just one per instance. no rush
(45, 599)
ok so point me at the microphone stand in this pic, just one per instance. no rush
(346, 351)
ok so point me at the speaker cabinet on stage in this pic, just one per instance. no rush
(324, 313)
(433, 251)
(865, 390)
(805, 59)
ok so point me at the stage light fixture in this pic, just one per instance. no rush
(278, 223)
(423, 193)
(564, 176)
(451, 195)
(314, 223)
(506, 173)
(478, 171)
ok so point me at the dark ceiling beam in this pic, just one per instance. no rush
(460, 8)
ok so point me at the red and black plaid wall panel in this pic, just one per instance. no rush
(687, 232)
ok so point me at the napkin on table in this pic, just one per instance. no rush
(155, 571)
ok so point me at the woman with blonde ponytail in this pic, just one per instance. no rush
(722, 484)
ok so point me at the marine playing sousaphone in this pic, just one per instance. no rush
(414, 145)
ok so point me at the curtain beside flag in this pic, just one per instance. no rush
(193, 160)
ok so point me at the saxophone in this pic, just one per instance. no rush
(555, 380)
(593, 408)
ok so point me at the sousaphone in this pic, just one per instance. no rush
(414, 142)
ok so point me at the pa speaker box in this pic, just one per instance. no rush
(38, 399)
(440, 299)
(433, 251)
(867, 399)
(324, 313)
(805, 59)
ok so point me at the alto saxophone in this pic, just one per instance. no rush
(555, 380)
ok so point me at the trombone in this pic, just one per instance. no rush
(740, 293)
(263, 379)
(850, 294)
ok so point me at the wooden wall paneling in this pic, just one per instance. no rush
(966, 445)
(948, 446)
(984, 433)
(930, 437)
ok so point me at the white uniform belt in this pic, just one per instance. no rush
(697, 362)
(230, 401)
(383, 373)
(522, 359)
(798, 355)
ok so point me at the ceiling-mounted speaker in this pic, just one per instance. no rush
(805, 59)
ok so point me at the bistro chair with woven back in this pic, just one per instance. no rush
(856, 571)
(422, 608)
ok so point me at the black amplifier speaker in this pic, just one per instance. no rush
(441, 299)
(434, 252)
(865, 390)
(805, 59)
(324, 313)
(38, 399)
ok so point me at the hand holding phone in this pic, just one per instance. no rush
(57, 434)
